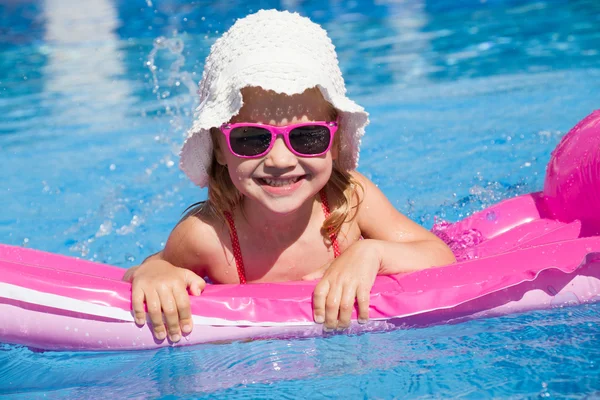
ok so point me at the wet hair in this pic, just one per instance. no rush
(223, 196)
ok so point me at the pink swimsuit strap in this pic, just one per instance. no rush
(235, 242)
(327, 212)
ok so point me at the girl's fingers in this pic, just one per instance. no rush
(171, 313)
(129, 273)
(362, 297)
(155, 314)
(182, 299)
(137, 303)
(319, 299)
(168, 304)
(195, 283)
(346, 306)
(332, 306)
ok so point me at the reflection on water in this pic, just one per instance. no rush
(501, 357)
(84, 69)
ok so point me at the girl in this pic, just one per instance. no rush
(276, 141)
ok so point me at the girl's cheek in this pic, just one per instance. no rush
(240, 172)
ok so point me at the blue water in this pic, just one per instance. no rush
(467, 100)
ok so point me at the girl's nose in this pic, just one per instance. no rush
(280, 156)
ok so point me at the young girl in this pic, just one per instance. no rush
(276, 141)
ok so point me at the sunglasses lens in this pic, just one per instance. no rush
(310, 139)
(249, 141)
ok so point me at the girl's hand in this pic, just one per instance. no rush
(163, 287)
(347, 279)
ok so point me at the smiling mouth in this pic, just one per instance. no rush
(279, 182)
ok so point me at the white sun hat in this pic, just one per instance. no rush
(275, 50)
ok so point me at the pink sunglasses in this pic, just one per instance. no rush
(306, 139)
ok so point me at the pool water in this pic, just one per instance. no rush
(467, 100)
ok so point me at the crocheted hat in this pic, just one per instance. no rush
(279, 51)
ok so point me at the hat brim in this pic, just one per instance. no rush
(196, 152)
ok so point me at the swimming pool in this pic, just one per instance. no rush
(466, 99)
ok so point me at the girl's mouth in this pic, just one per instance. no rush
(281, 185)
(280, 182)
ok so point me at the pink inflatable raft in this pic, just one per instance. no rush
(535, 251)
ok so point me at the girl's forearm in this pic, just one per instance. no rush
(168, 257)
(398, 258)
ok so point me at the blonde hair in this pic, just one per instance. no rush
(223, 196)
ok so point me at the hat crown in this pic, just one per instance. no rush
(282, 42)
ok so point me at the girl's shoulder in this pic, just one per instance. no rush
(360, 177)
(366, 188)
(196, 241)
(372, 201)
(378, 218)
(369, 202)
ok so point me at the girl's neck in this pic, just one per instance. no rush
(278, 227)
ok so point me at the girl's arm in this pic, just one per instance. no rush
(404, 245)
(393, 244)
(162, 281)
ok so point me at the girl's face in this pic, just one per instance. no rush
(279, 181)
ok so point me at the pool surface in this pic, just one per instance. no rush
(467, 100)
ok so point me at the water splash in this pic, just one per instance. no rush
(460, 242)
(176, 76)
(177, 107)
(120, 214)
